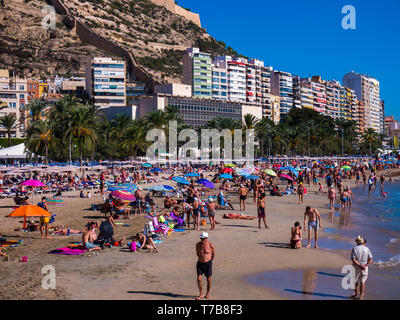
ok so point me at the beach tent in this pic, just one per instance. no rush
(14, 152)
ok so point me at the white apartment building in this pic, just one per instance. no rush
(106, 82)
(219, 83)
(14, 96)
(367, 91)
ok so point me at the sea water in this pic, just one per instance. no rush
(374, 217)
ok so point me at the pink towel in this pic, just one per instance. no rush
(68, 251)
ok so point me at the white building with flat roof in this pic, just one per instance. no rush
(106, 82)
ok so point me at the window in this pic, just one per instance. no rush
(22, 96)
(21, 87)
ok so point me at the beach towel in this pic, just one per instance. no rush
(179, 220)
(69, 251)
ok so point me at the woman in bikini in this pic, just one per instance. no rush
(296, 236)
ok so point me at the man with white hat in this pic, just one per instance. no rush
(362, 258)
(205, 252)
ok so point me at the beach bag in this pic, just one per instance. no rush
(203, 222)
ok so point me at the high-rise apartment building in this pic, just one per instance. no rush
(197, 72)
(106, 82)
(14, 96)
(367, 90)
(282, 86)
(219, 83)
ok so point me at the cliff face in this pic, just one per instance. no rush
(154, 35)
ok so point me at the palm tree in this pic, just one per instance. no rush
(82, 127)
(9, 122)
(250, 121)
(39, 137)
(120, 124)
(263, 132)
(135, 139)
(36, 108)
(370, 137)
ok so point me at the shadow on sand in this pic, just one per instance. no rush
(276, 245)
(166, 294)
(317, 294)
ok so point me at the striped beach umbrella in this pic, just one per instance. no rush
(123, 195)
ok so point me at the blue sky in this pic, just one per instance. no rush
(305, 37)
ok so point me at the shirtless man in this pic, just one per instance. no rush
(205, 251)
(139, 198)
(332, 196)
(261, 210)
(242, 197)
(211, 212)
(351, 195)
(196, 213)
(314, 222)
(87, 238)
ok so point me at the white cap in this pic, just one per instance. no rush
(211, 199)
(204, 235)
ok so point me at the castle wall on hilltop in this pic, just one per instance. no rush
(174, 8)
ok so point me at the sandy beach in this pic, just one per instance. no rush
(242, 250)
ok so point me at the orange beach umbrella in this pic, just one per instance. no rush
(29, 211)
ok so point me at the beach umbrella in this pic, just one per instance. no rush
(277, 166)
(286, 176)
(206, 183)
(230, 165)
(123, 195)
(29, 211)
(192, 174)
(146, 165)
(251, 177)
(160, 188)
(126, 187)
(270, 172)
(227, 170)
(33, 183)
(180, 180)
(55, 201)
(346, 168)
(167, 187)
(156, 170)
(226, 176)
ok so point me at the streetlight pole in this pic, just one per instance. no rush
(341, 129)
(309, 141)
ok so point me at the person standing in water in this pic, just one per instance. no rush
(314, 222)
(361, 257)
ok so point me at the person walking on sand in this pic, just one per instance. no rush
(205, 251)
(211, 212)
(261, 210)
(361, 257)
(300, 192)
(242, 197)
(314, 222)
(332, 197)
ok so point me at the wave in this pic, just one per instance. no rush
(392, 262)
(394, 240)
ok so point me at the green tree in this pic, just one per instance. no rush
(9, 123)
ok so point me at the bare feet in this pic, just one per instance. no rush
(199, 297)
(308, 246)
(208, 296)
(316, 247)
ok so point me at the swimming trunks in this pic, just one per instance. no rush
(313, 225)
(204, 268)
(243, 197)
(89, 245)
(196, 212)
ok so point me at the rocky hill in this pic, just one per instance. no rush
(154, 36)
